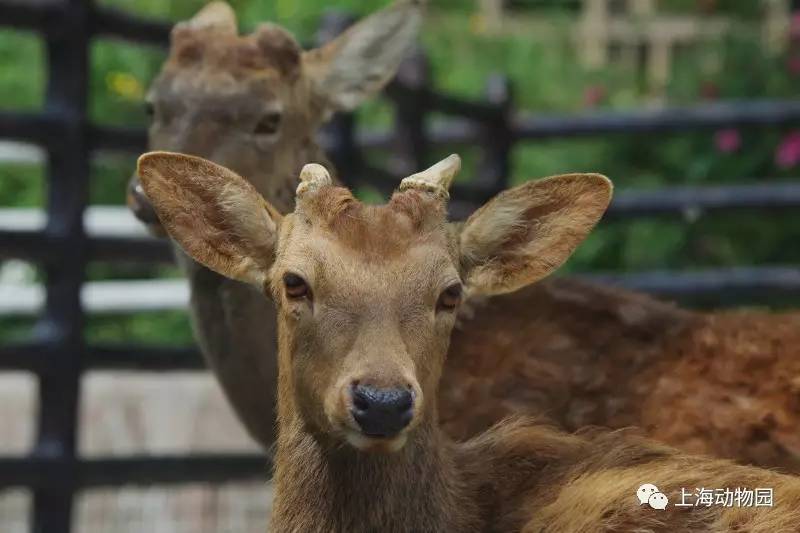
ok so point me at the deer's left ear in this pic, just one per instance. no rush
(362, 60)
(216, 216)
(525, 233)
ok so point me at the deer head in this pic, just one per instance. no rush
(254, 102)
(367, 295)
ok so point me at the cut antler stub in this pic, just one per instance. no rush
(313, 177)
(436, 179)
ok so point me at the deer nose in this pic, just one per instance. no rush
(141, 207)
(139, 203)
(381, 412)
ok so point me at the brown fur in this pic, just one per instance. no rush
(523, 476)
(405, 216)
(585, 482)
(373, 321)
(724, 384)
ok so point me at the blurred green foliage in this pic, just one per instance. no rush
(547, 78)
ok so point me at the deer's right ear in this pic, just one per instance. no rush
(361, 61)
(215, 215)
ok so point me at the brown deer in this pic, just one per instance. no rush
(725, 383)
(254, 103)
(367, 299)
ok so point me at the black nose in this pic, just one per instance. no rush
(381, 412)
(139, 203)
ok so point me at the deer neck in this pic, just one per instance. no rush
(329, 486)
(276, 176)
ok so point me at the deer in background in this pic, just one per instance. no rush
(725, 383)
(367, 298)
(254, 103)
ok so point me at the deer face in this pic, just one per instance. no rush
(253, 102)
(367, 295)
(236, 100)
(367, 298)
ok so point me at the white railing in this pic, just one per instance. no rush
(21, 295)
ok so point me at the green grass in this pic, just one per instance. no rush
(22, 185)
(169, 328)
(121, 73)
(22, 75)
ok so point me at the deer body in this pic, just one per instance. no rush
(725, 384)
(577, 353)
(367, 299)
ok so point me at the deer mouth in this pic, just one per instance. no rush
(375, 443)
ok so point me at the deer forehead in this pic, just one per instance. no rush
(367, 257)
(329, 261)
(223, 87)
(239, 55)
(408, 217)
(227, 72)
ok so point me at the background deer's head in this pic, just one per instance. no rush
(367, 295)
(253, 103)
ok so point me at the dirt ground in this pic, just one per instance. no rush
(141, 413)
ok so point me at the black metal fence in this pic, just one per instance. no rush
(58, 353)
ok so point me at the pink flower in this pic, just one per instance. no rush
(793, 65)
(794, 26)
(788, 153)
(594, 95)
(728, 140)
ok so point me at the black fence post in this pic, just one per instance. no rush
(338, 135)
(62, 321)
(495, 167)
(411, 107)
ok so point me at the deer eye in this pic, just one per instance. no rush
(149, 109)
(269, 124)
(296, 287)
(450, 298)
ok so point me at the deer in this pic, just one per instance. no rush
(367, 299)
(255, 103)
(581, 354)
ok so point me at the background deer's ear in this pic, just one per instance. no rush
(216, 216)
(190, 37)
(362, 60)
(217, 16)
(525, 233)
(280, 48)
